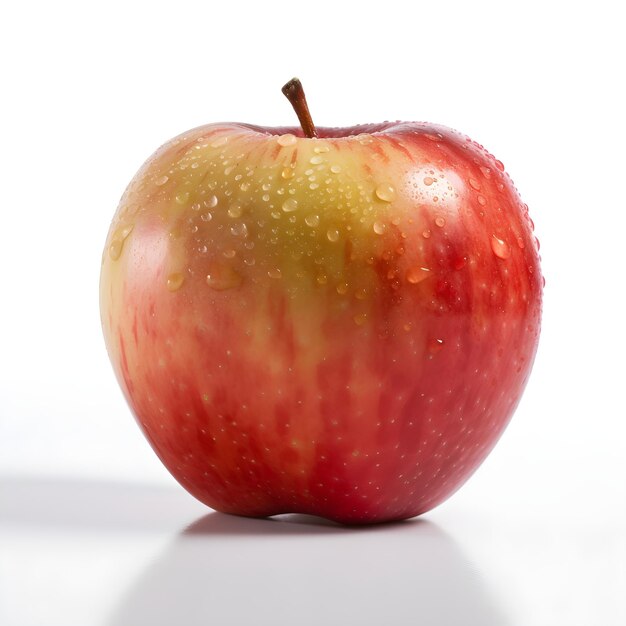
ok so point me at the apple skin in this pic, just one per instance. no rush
(341, 326)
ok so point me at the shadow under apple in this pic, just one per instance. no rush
(298, 569)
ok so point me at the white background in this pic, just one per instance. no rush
(92, 526)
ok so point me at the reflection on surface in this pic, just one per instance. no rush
(300, 570)
(74, 504)
(223, 570)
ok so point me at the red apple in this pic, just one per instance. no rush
(335, 321)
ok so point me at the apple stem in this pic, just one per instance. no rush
(294, 92)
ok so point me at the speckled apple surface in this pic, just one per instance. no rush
(340, 326)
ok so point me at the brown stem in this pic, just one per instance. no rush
(295, 94)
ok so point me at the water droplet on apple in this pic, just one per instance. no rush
(206, 217)
(316, 160)
(175, 281)
(474, 184)
(274, 273)
(220, 141)
(161, 181)
(435, 346)
(321, 149)
(117, 244)
(182, 197)
(222, 277)
(459, 264)
(486, 171)
(360, 319)
(428, 181)
(499, 165)
(416, 275)
(210, 202)
(520, 242)
(289, 205)
(385, 192)
(440, 221)
(235, 210)
(287, 173)
(265, 197)
(426, 234)
(500, 248)
(312, 220)
(379, 228)
(333, 234)
(115, 249)
(481, 200)
(239, 230)
(244, 186)
(335, 169)
(321, 279)
(229, 254)
(287, 139)
(342, 288)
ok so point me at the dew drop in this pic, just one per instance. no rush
(182, 197)
(499, 165)
(206, 217)
(435, 346)
(265, 197)
(274, 273)
(175, 281)
(416, 275)
(115, 249)
(335, 169)
(460, 263)
(210, 202)
(316, 160)
(287, 173)
(117, 244)
(321, 279)
(379, 228)
(440, 221)
(426, 234)
(313, 186)
(235, 210)
(161, 181)
(428, 181)
(520, 242)
(229, 254)
(486, 171)
(244, 186)
(287, 140)
(332, 234)
(500, 248)
(289, 205)
(312, 220)
(222, 277)
(481, 200)
(239, 230)
(321, 149)
(360, 319)
(385, 192)
(342, 288)
(474, 184)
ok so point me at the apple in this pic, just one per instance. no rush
(333, 321)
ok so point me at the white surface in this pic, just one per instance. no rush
(92, 529)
